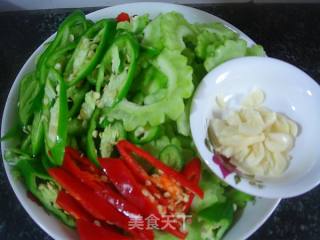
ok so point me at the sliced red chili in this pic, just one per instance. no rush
(93, 203)
(102, 188)
(72, 164)
(126, 148)
(70, 205)
(82, 161)
(125, 182)
(90, 231)
(123, 17)
(192, 171)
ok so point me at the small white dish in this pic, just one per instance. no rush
(288, 90)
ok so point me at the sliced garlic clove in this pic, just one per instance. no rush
(233, 119)
(268, 116)
(221, 103)
(240, 153)
(278, 142)
(252, 122)
(218, 125)
(254, 99)
(281, 125)
(280, 162)
(256, 155)
(241, 141)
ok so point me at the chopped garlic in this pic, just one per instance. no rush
(256, 139)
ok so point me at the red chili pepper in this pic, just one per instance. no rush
(90, 231)
(104, 190)
(192, 171)
(82, 161)
(72, 164)
(123, 17)
(125, 182)
(93, 203)
(126, 148)
(69, 204)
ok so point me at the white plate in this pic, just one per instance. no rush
(254, 215)
(289, 91)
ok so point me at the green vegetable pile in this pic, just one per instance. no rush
(97, 83)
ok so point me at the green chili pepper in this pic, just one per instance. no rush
(144, 134)
(55, 116)
(29, 88)
(69, 31)
(75, 127)
(37, 133)
(104, 121)
(58, 59)
(117, 70)
(77, 95)
(43, 187)
(68, 34)
(46, 162)
(216, 219)
(91, 135)
(89, 51)
(238, 198)
(93, 76)
(26, 144)
(73, 143)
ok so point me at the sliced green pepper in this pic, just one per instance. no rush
(91, 135)
(26, 144)
(77, 95)
(43, 187)
(69, 31)
(239, 198)
(56, 116)
(215, 220)
(58, 59)
(73, 143)
(29, 89)
(37, 133)
(144, 134)
(76, 127)
(46, 162)
(67, 35)
(117, 70)
(89, 51)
